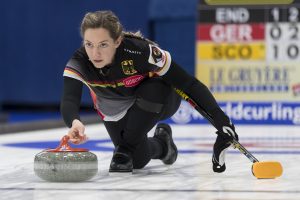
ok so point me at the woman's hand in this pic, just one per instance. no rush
(76, 132)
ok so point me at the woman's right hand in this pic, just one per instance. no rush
(76, 132)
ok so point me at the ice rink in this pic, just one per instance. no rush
(191, 177)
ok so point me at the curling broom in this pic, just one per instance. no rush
(261, 170)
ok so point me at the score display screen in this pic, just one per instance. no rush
(249, 57)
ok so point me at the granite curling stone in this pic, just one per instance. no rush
(65, 164)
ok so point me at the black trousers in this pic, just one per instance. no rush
(131, 131)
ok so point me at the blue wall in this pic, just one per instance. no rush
(38, 37)
(174, 28)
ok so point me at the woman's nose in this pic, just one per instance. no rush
(96, 52)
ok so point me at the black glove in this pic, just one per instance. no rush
(228, 131)
(223, 142)
(223, 124)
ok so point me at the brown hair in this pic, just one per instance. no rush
(102, 19)
(108, 20)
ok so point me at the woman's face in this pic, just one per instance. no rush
(100, 47)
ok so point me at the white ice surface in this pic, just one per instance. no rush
(191, 177)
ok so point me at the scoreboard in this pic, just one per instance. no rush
(249, 57)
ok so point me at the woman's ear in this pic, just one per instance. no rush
(118, 41)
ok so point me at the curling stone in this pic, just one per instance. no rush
(65, 164)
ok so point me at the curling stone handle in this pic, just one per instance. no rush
(64, 146)
(64, 143)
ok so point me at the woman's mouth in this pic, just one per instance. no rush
(98, 61)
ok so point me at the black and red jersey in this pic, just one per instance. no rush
(112, 87)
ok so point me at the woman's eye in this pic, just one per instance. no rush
(103, 45)
(89, 45)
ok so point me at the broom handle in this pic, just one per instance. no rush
(235, 143)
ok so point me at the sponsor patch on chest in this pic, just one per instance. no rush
(133, 80)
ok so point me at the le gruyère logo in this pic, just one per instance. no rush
(128, 68)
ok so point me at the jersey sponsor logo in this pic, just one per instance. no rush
(128, 67)
(156, 54)
(133, 51)
(133, 80)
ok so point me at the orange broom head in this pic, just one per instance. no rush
(267, 169)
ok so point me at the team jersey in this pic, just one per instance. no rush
(112, 88)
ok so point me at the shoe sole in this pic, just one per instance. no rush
(118, 170)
